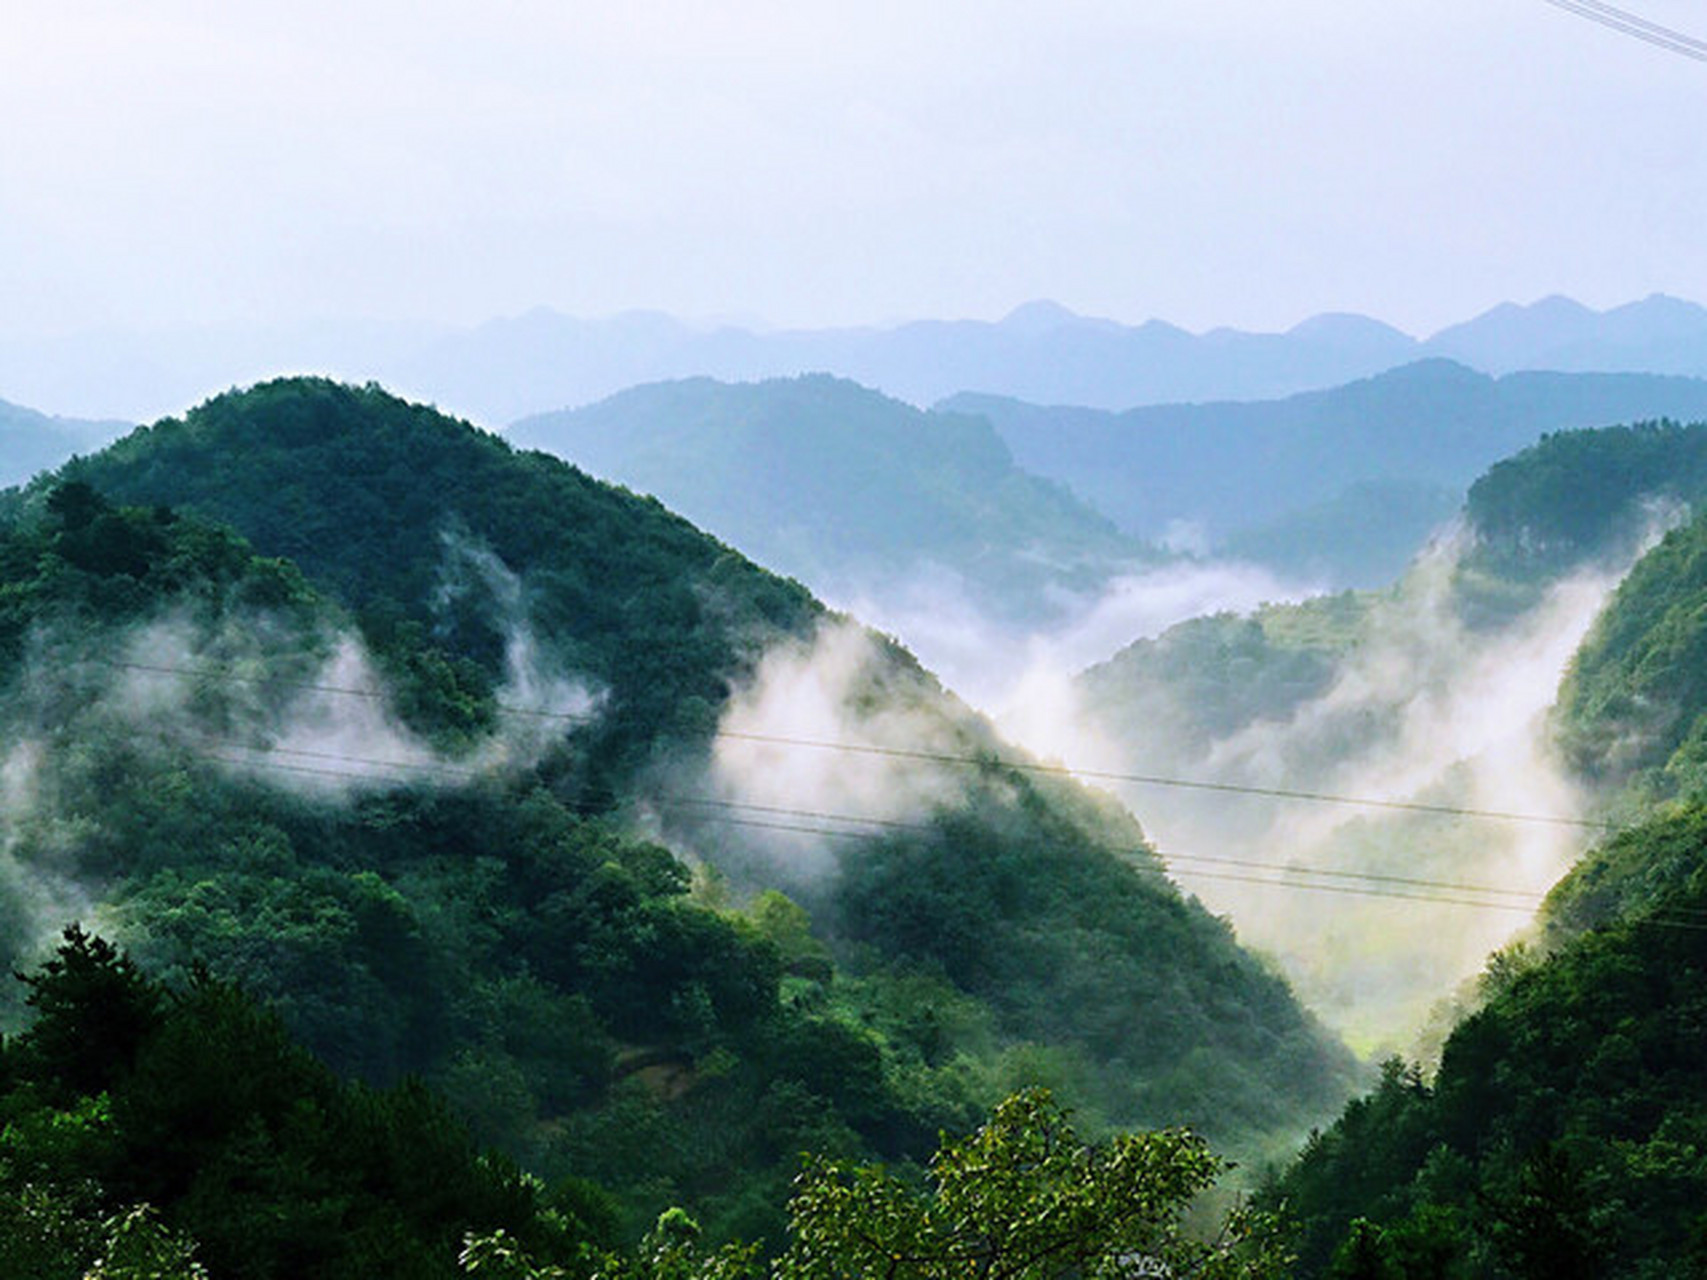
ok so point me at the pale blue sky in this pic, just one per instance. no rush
(1242, 162)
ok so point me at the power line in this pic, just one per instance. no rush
(812, 822)
(1373, 884)
(1673, 918)
(1157, 780)
(971, 761)
(1631, 24)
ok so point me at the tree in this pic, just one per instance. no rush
(93, 1009)
(1024, 1198)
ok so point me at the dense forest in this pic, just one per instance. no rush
(1561, 1132)
(400, 775)
(381, 749)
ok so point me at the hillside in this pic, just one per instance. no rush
(1231, 469)
(1561, 1132)
(848, 490)
(1437, 691)
(984, 923)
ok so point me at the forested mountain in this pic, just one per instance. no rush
(419, 764)
(1434, 691)
(31, 442)
(1563, 1131)
(846, 489)
(1240, 472)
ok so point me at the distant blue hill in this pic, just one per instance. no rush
(1298, 482)
(32, 442)
(845, 488)
(1042, 352)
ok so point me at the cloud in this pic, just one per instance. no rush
(774, 802)
(992, 663)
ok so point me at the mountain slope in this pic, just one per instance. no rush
(844, 488)
(700, 675)
(1230, 468)
(1562, 1133)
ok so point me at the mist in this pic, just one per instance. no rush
(287, 701)
(1423, 710)
(789, 807)
(997, 663)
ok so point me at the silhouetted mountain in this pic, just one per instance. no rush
(1656, 335)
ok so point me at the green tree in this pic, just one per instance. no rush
(1024, 1198)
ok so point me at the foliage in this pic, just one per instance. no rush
(1021, 1199)
(1630, 708)
(1566, 1130)
(1579, 495)
(498, 933)
(206, 1143)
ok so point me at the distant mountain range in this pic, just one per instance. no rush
(32, 441)
(1341, 484)
(543, 360)
(1040, 352)
(847, 489)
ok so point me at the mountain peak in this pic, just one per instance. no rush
(1039, 316)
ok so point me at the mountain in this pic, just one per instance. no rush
(31, 442)
(1234, 471)
(541, 360)
(408, 760)
(1561, 1134)
(1487, 678)
(1561, 1131)
(848, 490)
(1659, 334)
(1040, 351)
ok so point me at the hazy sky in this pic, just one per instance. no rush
(1244, 162)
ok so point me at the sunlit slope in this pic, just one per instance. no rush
(845, 488)
(711, 687)
(1437, 694)
(1564, 1125)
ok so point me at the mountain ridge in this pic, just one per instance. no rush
(542, 360)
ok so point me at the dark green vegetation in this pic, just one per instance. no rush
(32, 442)
(1238, 469)
(148, 1131)
(844, 488)
(1632, 712)
(156, 1132)
(1565, 1131)
(1578, 496)
(204, 757)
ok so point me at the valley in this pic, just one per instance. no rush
(471, 768)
